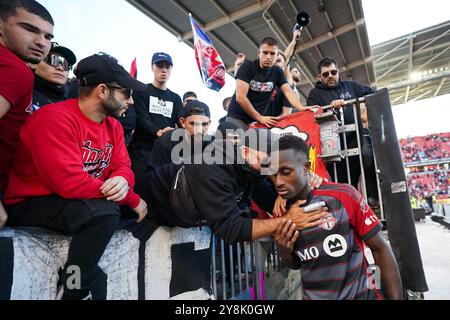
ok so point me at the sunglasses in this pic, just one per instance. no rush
(55, 60)
(327, 73)
(126, 92)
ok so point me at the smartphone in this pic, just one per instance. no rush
(314, 206)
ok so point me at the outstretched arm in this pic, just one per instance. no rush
(385, 260)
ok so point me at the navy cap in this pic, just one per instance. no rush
(161, 56)
(103, 68)
(195, 107)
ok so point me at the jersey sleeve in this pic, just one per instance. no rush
(362, 218)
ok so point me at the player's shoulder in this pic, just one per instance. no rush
(341, 190)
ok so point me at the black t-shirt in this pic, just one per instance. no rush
(155, 109)
(262, 83)
(279, 101)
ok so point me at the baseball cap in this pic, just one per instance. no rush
(189, 94)
(65, 52)
(161, 56)
(195, 107)
(103, 68)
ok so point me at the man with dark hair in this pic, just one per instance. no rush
(72, 171)
(331, 90)
(26, 30)
(210, 193)
(195, 121)
(225, 104)
(50, 84)
(330, 255)
(255, 83)
(190, 95)
(157, 110)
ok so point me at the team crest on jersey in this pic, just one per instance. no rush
(328, 221)
(364, 206)
(96, 160)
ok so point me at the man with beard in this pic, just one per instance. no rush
(26, 29)
(195, 120)
(330, 255)
(72, 171)
(331, 90)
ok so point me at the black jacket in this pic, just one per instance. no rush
(346, 89)
(217, 191)
(45, 92)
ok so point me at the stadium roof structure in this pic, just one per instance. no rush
(337, 30)
(415, 66)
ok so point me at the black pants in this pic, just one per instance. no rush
(139, 161)
(91, 223)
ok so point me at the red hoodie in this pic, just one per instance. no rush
(63, 152)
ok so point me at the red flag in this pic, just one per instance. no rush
(209, 62)
(133, 69)
(303, 125)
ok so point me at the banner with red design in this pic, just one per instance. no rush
(212, 69)
(303, 125)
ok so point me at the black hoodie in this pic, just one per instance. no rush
(217, 189)
(346, 89)
(46, 92)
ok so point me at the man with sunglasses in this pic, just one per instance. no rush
(331, 90)
(195, 120)
(51, 76)
(157, 112)
(72, 171)
(255, 83)
(26, 30)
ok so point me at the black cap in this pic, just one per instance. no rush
(195, 107)
(103, 68)
(65, 52)
(189, 94)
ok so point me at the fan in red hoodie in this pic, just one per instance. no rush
(72, 171)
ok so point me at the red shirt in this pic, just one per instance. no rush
(16, 86)
(63, 152)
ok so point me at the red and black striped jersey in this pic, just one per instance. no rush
(331, 256)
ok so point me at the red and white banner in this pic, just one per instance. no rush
(212, 69)
(303, 125)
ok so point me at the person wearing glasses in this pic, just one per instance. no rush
(26, 31)
(332, 90)
(157, 112)
(195, 122)
(72, 171)
(255, 82)
(51, 76)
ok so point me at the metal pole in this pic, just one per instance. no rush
(358, 138)
(230, 247)
(239, 267)
(224, 273)
(347, 162)
(214, 266)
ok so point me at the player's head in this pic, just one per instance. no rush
(290, 167)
